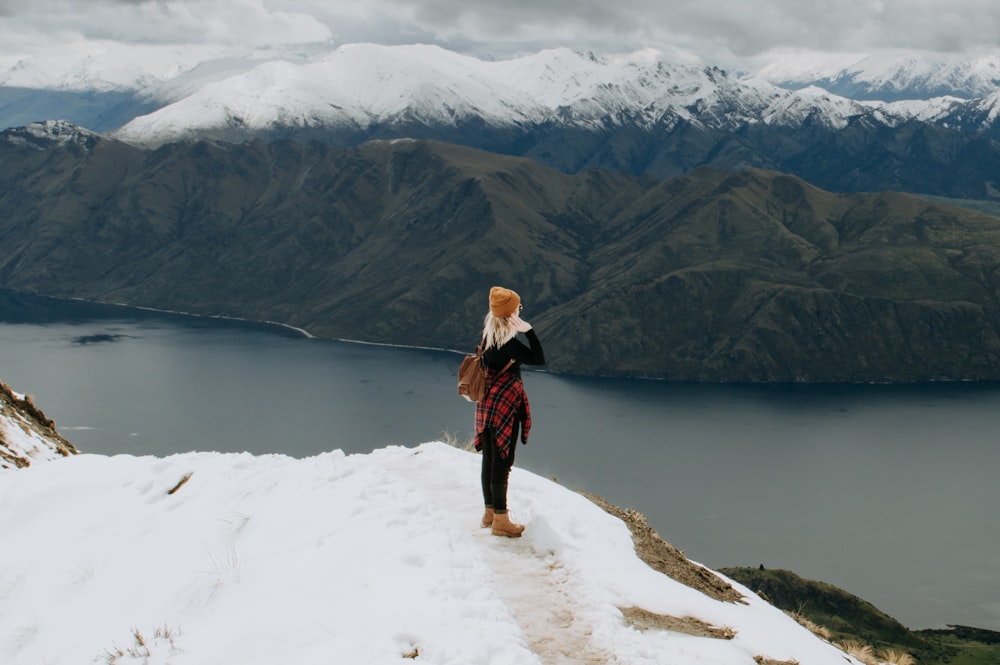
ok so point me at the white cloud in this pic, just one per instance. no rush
(223, 22)
(718, 30)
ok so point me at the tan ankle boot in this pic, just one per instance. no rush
(487, 519)
(502, 526)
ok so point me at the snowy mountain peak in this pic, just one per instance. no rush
(369, 90)
(359, 91)
(990, 104)
(41, 135)
(888, 75)
(362, 86)
(26, 434)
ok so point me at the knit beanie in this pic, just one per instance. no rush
(503, 302)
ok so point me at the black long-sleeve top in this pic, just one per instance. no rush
(515, 349)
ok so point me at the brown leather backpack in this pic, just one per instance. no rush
(472, 383)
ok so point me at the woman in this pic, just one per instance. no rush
(505, 408)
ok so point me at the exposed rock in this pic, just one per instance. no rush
(26, 434)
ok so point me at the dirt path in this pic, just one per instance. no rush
(542, 596)
(546, 600)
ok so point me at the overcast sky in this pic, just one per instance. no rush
(718, 31)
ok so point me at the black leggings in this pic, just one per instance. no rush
(496, 470)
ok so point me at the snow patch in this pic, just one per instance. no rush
(41, 135)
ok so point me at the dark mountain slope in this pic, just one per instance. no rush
(866, 155)
(715, 276)
(759, 277)
(851, 619)
(958, 156)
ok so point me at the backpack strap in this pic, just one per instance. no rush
(506, 367)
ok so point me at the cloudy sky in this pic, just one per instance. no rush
(718, 31)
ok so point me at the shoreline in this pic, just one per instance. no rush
(303, 332)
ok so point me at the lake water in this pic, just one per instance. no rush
(889, 492)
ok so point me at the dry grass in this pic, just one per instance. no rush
(893, 657)
(761, 660)
(469, 445)
(641, 619)
(866, 654)
(139, 649)
(8, 459)
(859, 650)
(819, 631)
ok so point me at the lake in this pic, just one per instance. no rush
(889, 492)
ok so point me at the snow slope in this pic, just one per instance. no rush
(339, 558)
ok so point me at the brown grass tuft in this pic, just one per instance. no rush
(469, 445)
(641, 619)
(819, 631)
(893, 657)
(859, 650)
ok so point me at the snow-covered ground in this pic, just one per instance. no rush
(374, 558)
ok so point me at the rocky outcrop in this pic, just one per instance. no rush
(27, 435)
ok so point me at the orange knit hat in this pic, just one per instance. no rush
(503, 302)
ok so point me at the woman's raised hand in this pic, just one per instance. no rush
(520, 325)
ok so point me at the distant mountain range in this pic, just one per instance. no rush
(890, 75)
(634, 114)
(712, 276)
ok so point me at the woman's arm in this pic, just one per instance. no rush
(532, 355)
(535, 355)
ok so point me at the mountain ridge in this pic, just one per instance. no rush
(637, 113)
(364, 87)
(713, 276)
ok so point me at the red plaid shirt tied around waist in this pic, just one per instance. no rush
(505, 405)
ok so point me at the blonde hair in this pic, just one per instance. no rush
(497, 331)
